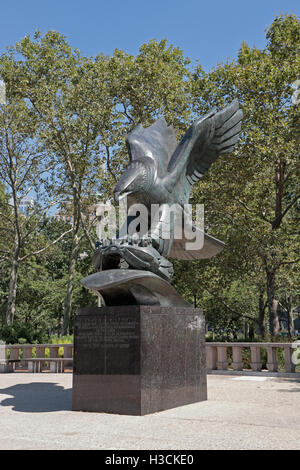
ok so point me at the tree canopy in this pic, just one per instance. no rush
(62, 142)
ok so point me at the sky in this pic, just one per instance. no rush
(208, 31)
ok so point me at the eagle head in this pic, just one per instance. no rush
(137, 178)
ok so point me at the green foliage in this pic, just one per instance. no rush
(69, 339)
(251, 197)
(43, 282)
(22, 334)
(73, 113)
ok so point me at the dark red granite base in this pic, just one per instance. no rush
(138, 359)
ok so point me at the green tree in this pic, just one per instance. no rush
(252, 196)
(24, 171)
(43, 280)
(144, 87)
(84, 109)
(68, 97)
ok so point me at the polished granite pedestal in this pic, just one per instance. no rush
(138, 359)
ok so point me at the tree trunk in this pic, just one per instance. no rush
(246, 330)
(11, 304)
(251, 332)
(70, 288)
(289, 304)
(272, 305)
(12, 295)
(276, 327)
(261, 316)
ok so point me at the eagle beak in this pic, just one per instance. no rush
(126, 184)
(119, 195)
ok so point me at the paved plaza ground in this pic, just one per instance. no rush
(241, 413)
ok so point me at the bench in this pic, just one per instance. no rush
(56, 364)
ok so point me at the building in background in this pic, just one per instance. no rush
(25, 204)
(67, 216)
(64, 217)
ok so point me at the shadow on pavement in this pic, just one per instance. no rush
(289, 390)
(37, 397)
(295, 382)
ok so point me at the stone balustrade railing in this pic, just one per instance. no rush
(33, 356)
(217, 356)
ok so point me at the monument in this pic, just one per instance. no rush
(144, 350)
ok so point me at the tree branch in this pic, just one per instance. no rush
(46, 247)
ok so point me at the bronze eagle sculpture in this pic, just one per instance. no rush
(161, 173)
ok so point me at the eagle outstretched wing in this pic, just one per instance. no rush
(207, 138)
